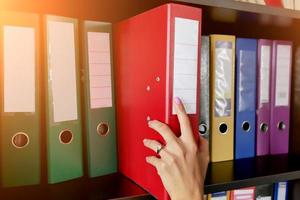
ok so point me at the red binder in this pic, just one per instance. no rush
(276, 3)
(157, 59)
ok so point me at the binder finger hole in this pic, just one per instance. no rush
(203, 129)
(66, 137)
(20, 140)
(103, 129)
(246, 126)
(223, 128)
(263, 127)
(281, 126)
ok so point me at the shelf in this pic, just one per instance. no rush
(228, 175)
(219, 16)
(114, 186)
(246, 7)
(221, 176)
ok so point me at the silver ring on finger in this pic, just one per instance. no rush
(160, 148)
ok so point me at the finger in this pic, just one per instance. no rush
(203, 155)
(152, 144)
(203, 146)
(163, 130)
(184, 121)
(154, 161)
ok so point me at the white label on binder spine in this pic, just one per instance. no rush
(265, 63)
(282, 187)
(185, 62)
(223, 78)
(62, 70)
(289, 4)
(263, 198)
(297, 5)
(19, 69)
(244, 192)
(99, 70)
(246, 80)
(283, 61)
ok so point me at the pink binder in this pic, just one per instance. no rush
(263, 97)
(280, 97)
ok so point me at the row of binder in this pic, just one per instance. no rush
(238, 89)
(277, 191)
(152, 68)
(288, 4)
(246, 83)
(25, 79)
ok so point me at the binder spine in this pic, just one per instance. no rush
(263, 97)
(280, 97)
(245, 98)
(204, 125)
(222, 101)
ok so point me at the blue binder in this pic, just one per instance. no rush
(281, 191)
(246, 54)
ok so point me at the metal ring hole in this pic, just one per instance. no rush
(203, 129)
(103, 129)
(223, 128)
(281, 126)
(264, 127)
(66, 137)
(246, 126)
(20, 140)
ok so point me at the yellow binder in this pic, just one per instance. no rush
(222, 97)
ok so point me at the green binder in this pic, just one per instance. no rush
(99, 103)
(64, 137)
(20, 112)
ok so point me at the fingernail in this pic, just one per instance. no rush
(147, 159)
(177, 100)
(149, 123)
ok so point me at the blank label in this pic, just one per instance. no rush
(185, 62)
(265, 63)
(283, 75)
(289, 4)
(19, 69)
(223, 78)
(99, 70)
(247, 80)
(282, 187)
(62, 70)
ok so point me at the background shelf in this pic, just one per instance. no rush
(221, 176)
(114, 186)
(247, 7)
(235, 174)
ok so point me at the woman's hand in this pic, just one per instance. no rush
(183, 163)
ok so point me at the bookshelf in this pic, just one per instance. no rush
(241, 173)
(245, 7)
(222, 17)
(113, 186)
(221, 176)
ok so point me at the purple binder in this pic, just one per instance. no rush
(280, 97)
(263, 97)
